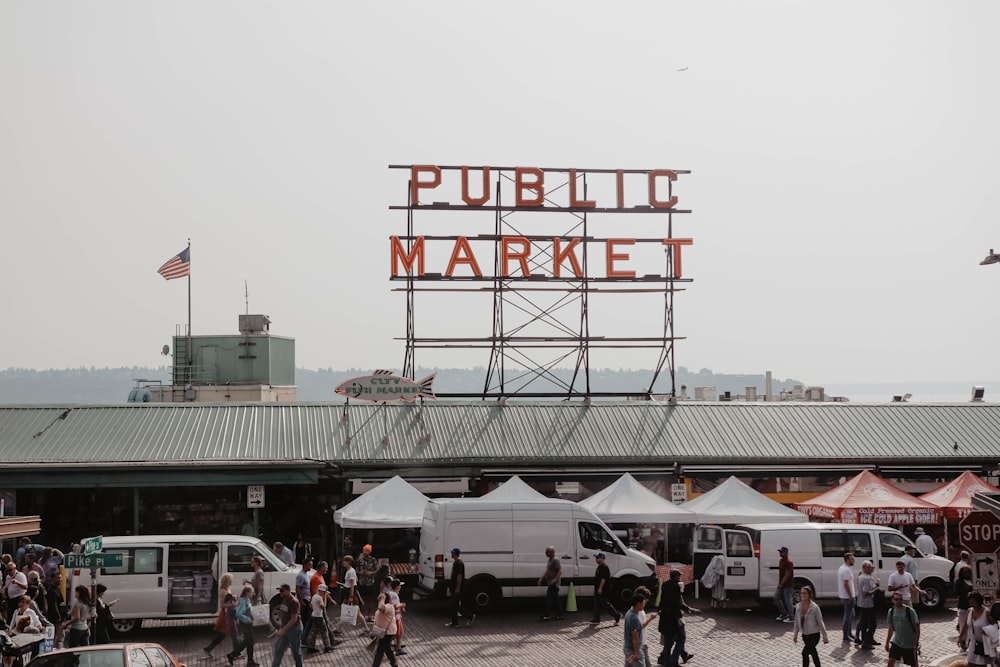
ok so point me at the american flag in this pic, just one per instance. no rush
(177, 266)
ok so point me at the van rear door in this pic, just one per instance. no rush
(140, 584)
(742, 565)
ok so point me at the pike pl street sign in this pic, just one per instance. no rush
(84, 561)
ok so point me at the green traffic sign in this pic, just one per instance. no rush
(93, 560)
(93, 544)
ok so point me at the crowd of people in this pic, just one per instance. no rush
(38, 593)
(862, 598)
(310, 615)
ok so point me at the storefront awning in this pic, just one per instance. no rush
(138, 477)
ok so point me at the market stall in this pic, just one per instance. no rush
(867, 498)
(955, 500)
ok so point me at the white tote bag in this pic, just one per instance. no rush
(348, 614)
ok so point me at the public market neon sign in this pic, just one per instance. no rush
(519, 255)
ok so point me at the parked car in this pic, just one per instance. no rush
(109, 655)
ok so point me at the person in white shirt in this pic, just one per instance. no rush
(847, 593)
(318, 604)
(902, 581)
(25, 620)
(925, 543)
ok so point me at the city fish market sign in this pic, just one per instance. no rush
(386, 387)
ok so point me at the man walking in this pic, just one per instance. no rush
(289, 633)
(783, 594)
(602, 589)
(847, 593)
(457, 579)
(902, 582)
(903, 638)
(304, 595)
(633, 631)
(671, 623)
(551, 579)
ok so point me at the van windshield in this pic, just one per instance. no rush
(594, 536)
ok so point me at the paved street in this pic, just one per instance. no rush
(731, 636)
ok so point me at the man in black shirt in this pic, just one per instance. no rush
(602, 589)
(457, 579)
(671, 626)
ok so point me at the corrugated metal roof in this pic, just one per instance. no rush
(489, 433)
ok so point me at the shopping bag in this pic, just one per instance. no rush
(261, 615)
(348, 614)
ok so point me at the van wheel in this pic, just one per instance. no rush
(483, 595)
(273, 606)
(934, 595)
(124, 626)
(622, 591)
(799, 583)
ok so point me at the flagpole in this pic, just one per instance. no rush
(188, 361)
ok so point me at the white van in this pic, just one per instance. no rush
(503, 547)
(817, 550)
(176, 576)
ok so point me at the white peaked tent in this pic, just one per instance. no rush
(628, 501)
(392, 504)
(514, 489)
(735, 502)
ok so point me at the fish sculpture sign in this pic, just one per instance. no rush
(386, 387)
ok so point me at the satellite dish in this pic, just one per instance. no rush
(165, 351)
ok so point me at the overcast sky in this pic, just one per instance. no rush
(843, 159)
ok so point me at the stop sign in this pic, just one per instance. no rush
(980, 532)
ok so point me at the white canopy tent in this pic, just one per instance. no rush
(735, 502)
(392, 504)
(628, 501)
(514, 488)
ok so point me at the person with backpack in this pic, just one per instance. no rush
(903, 638)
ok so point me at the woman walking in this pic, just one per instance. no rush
(385, 618)
(79, 634)
(809, 620)
(243, 634)
(971, 636)
(221, 626)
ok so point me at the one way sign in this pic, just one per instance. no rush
(255, 496)
(984, 572)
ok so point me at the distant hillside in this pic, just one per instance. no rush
(112, 385)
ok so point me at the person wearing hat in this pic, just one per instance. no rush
(455, 584)
(909, 559)
(602, 590)
(289, 632)
(319, 603)
(367, 567)
(925, 542)
(784, 593)
(102, 624)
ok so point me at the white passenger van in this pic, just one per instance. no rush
(503, 547)
(177, 576)
(817, 550)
